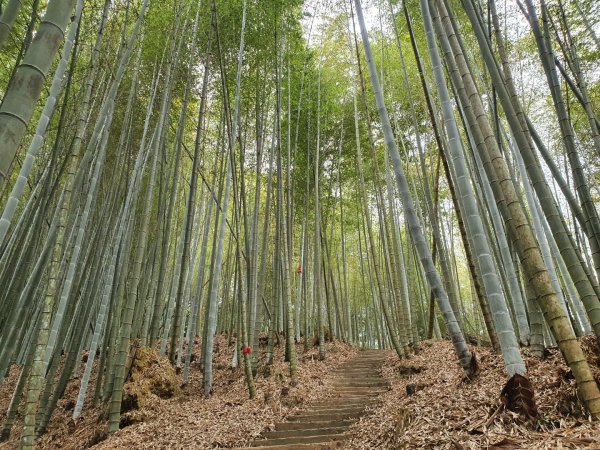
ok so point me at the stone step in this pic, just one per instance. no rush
(360, 390)
(304, 432)
(369, 358)
(341, 409)
(352, 383)
(301, 440)
(378, 353)
(361, 375)
(361, 363)
(339, 403)
(373, 366)
(373, 357)
(356, 398)
(356, 373)
(359, 384)
(283, 426)
(317, 446)
(316, 417)
(338, 388)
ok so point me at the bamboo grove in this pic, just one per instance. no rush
(380, 173)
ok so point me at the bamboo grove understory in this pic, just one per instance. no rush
(380, 173)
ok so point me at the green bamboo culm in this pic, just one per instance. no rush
(26, 86)
(414, 223)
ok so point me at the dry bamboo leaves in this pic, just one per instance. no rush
(447, 413)
(441, 413)
(187, 420)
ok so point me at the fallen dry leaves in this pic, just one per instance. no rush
(430, 406)
(188, 420)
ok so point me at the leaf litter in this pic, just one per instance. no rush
(431, 406)
(158, 412)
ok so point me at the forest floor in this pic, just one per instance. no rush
(430, 404)
(162, 414)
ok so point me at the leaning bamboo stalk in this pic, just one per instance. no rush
(412, 219)
(26, 85)
(514, 215)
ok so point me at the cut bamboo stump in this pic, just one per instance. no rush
(325, 424)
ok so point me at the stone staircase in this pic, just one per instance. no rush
(324, 424)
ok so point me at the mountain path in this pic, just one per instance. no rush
(325, 424)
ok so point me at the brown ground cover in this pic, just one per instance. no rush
(162, 414)
(430, 405)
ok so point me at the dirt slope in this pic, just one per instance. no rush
(429, 405)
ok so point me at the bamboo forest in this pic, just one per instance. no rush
(288, 224)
